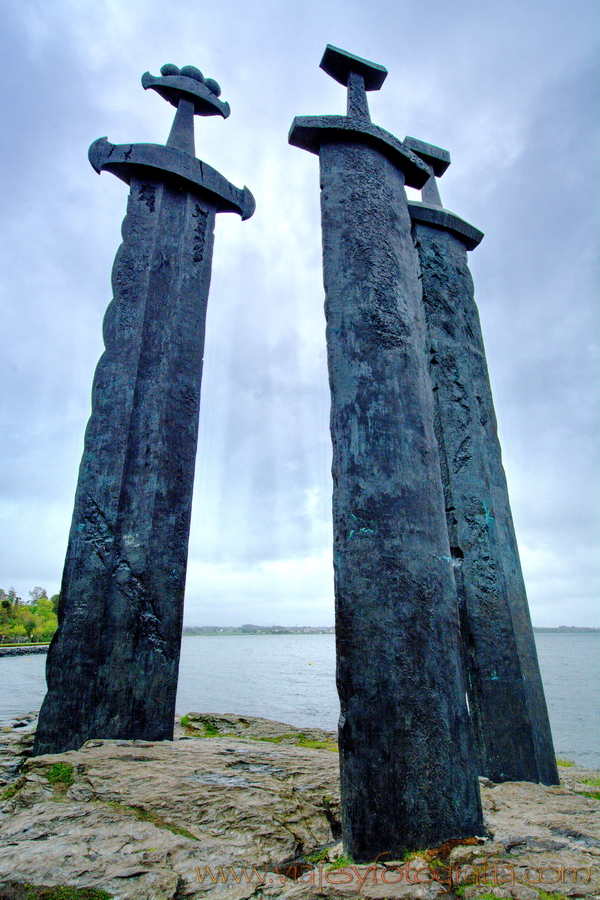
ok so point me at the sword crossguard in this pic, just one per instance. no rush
(430, 211)
(193, 95)
(437, 161)
(357, 74)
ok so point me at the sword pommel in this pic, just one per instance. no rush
(339, 64)
(188, 83)
(357, 74)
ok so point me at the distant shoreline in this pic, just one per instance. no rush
(257, 629)
(308, 629)
(567, 629)
(213, 630)
(23, 649)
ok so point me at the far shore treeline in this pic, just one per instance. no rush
(309, 629)
(27, 621)
(34, 621)
(259, 629)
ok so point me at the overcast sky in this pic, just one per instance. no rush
(509, 87)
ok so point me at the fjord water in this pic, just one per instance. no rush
(291, 678)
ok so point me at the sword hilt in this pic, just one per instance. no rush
(192, 94)
(357, 74)
(437, 160)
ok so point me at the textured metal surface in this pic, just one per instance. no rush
(505, 689)
(113, 663)
(429, 214)
(340, 64)
(408, 768)
(310, 132)
(112, 666)
(407, 756)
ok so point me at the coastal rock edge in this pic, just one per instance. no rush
(238, 807)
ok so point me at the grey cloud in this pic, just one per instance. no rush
(507, 87)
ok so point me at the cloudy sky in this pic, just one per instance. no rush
(510, 88)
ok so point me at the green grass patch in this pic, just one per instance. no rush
(300, 740)
(593, 782)
(318, 745)
(317, 857)
(428, 856)
(9, 792)
(69, 893)
(60, 775)
(487, 896)
(144, 815)
(461, 888)
(409, 855)
(25, 645)
(544, 895)
(342, 862)
(436, 863)
(202, 729)
(565, 763)
(16, 891)
(296, 736)
(210, 730)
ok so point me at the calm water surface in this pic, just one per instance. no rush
(570, 667)
(286, 677)
(290, 678)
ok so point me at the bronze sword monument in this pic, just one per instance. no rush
(113, 663)
(505, 690)
(407, 755)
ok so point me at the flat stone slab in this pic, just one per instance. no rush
(254, 727)
(252, 804)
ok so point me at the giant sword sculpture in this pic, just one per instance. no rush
(407, 756)
(112, 666)
(506, 695)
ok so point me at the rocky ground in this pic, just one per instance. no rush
(237, 808)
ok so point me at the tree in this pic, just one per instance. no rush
(17, 633)
(35, 620)
(38, 593)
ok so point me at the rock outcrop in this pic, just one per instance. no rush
(240, 807)
(24, 650)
